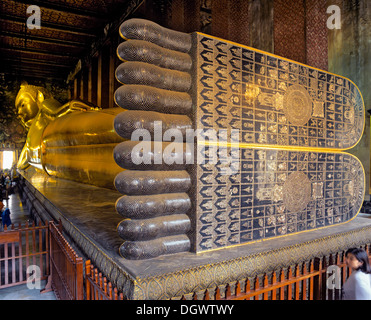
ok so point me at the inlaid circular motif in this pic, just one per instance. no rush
(296, 191)
(297, 105)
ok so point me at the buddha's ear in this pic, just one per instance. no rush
(40, 96)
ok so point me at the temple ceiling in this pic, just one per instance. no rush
(68, 30)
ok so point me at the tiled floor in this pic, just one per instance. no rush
(22, 292)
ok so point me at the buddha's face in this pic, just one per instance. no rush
(27, 107)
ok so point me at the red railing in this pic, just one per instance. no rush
(21, 248)
(44, 247)
(66, 277)
(97, 287)
(298, 283)
(305, 281)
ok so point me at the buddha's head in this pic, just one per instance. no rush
(28, 102)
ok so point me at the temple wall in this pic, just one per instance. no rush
(349, 55)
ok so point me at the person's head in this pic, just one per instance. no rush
(1, 206)
(357, 259)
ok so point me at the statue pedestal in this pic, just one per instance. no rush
(89, 219)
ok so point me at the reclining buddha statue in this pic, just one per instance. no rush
(73, 141)
(76, 140)
(288, 172)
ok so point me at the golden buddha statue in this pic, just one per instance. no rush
(73, 141)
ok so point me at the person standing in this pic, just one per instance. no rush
(7, 186)
(2, 178)
(5, 215)
(358, 285)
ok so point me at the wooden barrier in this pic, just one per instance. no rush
(21, 248)
(97, 287)
(66, 267)
(305, 281)
(45, 247)
(291, 284)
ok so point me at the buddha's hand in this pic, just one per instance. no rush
(76, 105)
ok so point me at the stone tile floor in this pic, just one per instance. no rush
(22, 292)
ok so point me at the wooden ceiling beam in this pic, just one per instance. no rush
(18, 55)
(40, 67)
(31, 73)
(21, 60)
(100, 15)
(40, 52)
(53, 41)
(50, 26)
(34, 69)
(34, 73)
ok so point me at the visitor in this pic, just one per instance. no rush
(5, 216)
(358, 285)
(2, 189)
(2, 178)
(7, 186)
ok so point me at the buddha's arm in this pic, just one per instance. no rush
(75, 105)
(23, 160)
(52, 109)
